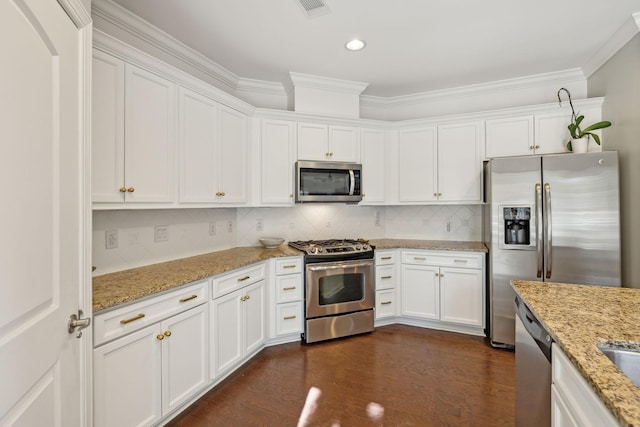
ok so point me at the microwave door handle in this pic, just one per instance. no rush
(352, 180)
(539, 232)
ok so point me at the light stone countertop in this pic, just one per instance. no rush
(580, 316)
(113, 289)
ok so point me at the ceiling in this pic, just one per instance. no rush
(413, 46)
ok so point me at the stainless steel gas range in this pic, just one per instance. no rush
(339, 288)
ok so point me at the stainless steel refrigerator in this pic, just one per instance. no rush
(551, 218)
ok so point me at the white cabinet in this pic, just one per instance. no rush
(573, 401)
(372, 155)
(387, 280)
(509, 136)
(440, 164)
(141, 376)
(328, 142)
(133, 134)
(287, 312)
(238, 317)
(213, 151)
(460, 162)
(278, 156)
(444, 286)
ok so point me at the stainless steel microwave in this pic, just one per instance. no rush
(328, 182)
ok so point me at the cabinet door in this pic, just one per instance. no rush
(461, 296)
(107, 128)
(289, 318)
(127, 380)
(149, 137)
(278, 157)
(313, 141)
(185, 356)
(197, 140)
(343, 144)
(420, 291)
(509, 136)
(226, 331)
(232, 157)
(373, 166)
(255, 326)
(460, 162)
(417, 171)
(551, 132)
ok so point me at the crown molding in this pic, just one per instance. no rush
(620, 38)
(121, 18)
(554, 78)
(327, 83)
(261, 86)
(77, 12)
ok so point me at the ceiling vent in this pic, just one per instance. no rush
(313, 7)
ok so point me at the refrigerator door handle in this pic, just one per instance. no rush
(547, 229)
(539, 228)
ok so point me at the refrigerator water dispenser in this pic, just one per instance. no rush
(517, 222)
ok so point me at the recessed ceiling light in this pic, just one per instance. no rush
(355, 44)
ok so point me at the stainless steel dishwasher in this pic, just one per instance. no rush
(533, 369)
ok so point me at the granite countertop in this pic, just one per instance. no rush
(435, 245)
(110, 290)
(580, 316)
(113, 289)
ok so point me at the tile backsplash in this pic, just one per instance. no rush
(196, 231)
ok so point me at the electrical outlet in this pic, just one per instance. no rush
(292, 225)
(449, 224)
(464, 222)
(212, 229)
(259, 225)
(161, 233)
(230, 226)
(376, 222)
(328, 224)
(111, 239)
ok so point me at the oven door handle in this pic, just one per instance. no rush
(338, 265)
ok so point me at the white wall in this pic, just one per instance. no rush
(189, 228)
(619, 81)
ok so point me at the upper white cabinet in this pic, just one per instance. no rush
(133, 134)
(278, 156)
(440, 164)
(372, 155)
(460, 162)
(328, 143)
(213, 151)
(509, 136)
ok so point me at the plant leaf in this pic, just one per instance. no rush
(569, 147)
(579, 120)
(595, 126)
(596, 138)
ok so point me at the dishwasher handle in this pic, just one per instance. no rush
(535, 328)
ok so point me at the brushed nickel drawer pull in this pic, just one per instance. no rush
(242, 279)
(289, 266)
(464, 261)
(385, 302)
(289, 317)
(189, 298)
(385, 257)
(138, 317)
(386, 277)
(419, 258)
(290, 288)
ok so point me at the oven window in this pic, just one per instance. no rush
(341, 288)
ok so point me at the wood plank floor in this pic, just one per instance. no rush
(420, 377)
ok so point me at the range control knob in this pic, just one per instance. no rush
(358, 248)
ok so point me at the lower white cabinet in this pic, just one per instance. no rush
(238, 326)
(573, 401)
(287, 293)
(447, 287)
(386, 285)
(145, 375)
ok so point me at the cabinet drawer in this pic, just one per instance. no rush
(386, 276)
(122, 321)
(237, 279)
(289, 288)
(288, 266)
(385, 257)
(289, 318)
(386, 303)
(449, 259)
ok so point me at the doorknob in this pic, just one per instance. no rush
(77, 324)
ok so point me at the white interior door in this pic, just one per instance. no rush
(42, 213)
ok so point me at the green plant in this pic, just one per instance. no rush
(575, 130)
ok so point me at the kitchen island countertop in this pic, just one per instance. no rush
(580, 316)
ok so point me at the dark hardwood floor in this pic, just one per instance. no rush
(420, 377)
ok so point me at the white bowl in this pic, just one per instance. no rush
(271, 242)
